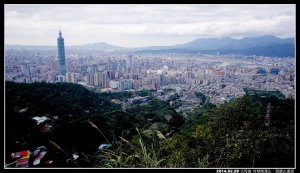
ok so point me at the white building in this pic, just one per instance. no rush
(113, 84)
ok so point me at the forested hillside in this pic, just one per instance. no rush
(151, 134)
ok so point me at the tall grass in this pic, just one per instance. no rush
(143, 157)
(58, 147)
(140, 156)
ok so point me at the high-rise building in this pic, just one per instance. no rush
(232, 76)
(32, 71)
(68, 77)
(137, 84)
(129, 61)
(73, 77)
(118, 74)
(219, 79)
(40, 61)
(227, 75)
(129, 84)
(87, 79)
(123, 62)
(97, 79)
(53, 65)
(133, 76)
(128, 70)
(105, 80)
(161, 79)
(122, 85)
(123, 69)
(108, 64)
(61, 55)
(113, 65)
(91, 79)
(94, 69)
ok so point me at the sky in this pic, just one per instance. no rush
(139, 25)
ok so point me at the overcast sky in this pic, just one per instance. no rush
(139, 25)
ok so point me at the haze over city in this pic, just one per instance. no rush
(138, 25)
(167, 86)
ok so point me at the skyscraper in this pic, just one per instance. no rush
(108, 64)
(94, 69)
(129, 61)
(61, 55)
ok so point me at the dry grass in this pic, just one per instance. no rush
(168, 117)
(87, 159)
(160, 135)
(55, 145)
(130, 144)
(93, 125)
(148, 132)
(58, 147)
(142, 157)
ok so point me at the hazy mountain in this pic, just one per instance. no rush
(266, 45)
(100, 45)
(208, 43)
(16, 46)
(227, 42)
(279, 50)
(262, 46)
(265, 40)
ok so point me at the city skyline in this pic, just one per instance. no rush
(138, 25)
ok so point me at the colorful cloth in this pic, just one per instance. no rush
(39, 157)
(26, 156)
(17, 155)
(22, 162)
(23, 153)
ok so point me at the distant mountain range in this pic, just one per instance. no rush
(276, 50)
(101, 45)
(227, 42)
(266, 45)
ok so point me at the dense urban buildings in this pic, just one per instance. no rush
(221, 78)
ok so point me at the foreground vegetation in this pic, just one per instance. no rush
(236, 134)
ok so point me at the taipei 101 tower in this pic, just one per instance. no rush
(61, 55)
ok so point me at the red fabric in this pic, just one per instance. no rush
(23, 153)
(40, 155)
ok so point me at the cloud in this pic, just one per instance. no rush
(125, 25)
